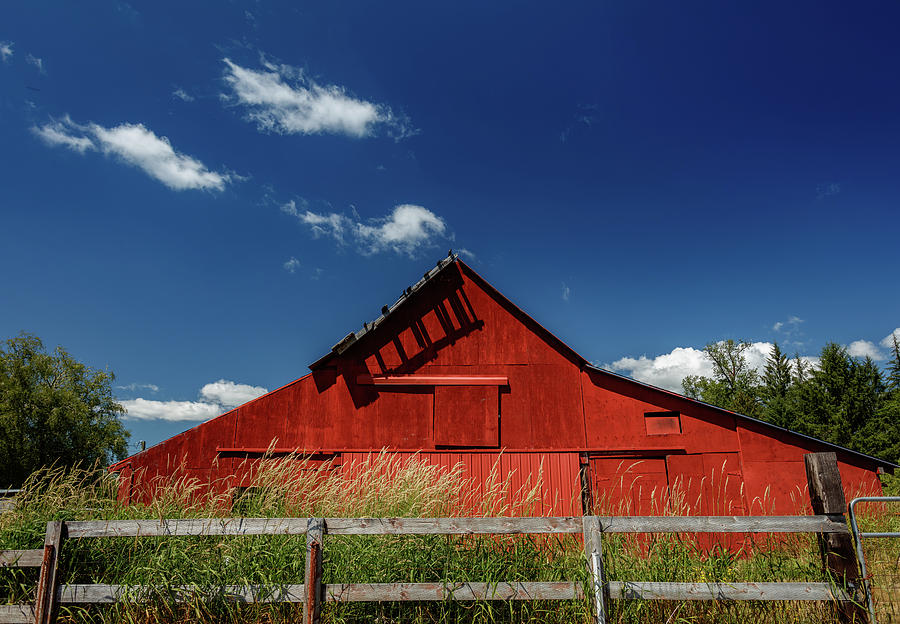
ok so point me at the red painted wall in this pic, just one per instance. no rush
(555, 409)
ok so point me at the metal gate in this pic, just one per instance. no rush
(859, 536)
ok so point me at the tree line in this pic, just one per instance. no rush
(843, 400)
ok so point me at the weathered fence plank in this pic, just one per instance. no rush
(826, 494)
(45, 599)
(723, 524)
(21, 558)
(16, 614)
(628, 590)
(171, 528)
(452, 526)
(108, 594)
(365, 592)
(458, 526)
(312, 609)
(593, 552)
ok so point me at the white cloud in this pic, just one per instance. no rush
(143, 409)
(465, 253)
(789, 325)
(667, 370)
(888, 341)
(566, 291)
(291, 265)
(133, 387)
(57, 133)
(217, 398)
(281, 99)
(6, 50)
(183, 95)
(864, 348)
(229, 393)
(136, 145)
(33, 60)
(405, 230)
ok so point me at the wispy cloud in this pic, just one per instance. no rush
(137, 145)
(183, 95)
(788, 326)
(37, 62)
(827, 190)
(282, 99)
(566, 292)
(291, 265)
(465, 253)
(405, 230)
(6, 50)
(216, 398)
(134, 387)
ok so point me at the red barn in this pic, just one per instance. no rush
(455, 372)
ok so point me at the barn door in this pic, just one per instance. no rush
(707, 484)
(467, 416)
(634, 486)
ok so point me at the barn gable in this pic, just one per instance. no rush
(456, 371)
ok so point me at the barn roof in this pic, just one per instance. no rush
(410, 293)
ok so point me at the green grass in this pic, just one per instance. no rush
(385, 487)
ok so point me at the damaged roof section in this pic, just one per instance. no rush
(353, 337)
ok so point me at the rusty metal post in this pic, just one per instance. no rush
(826, 494)
(45, 600)
(312, 607)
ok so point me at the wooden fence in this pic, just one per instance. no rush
(830, 526)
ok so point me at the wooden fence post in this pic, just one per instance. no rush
(45, 600)
(593, 551)
(312, 608)
(826, 493)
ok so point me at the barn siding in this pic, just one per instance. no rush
(554, 409)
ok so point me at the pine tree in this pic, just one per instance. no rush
(775, 391)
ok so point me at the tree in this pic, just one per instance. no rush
(776, 391)
(734, 382)
(54, 410)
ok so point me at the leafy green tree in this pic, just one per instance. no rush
(54, 410)
(734, 384)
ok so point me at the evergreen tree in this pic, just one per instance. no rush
(778, 381)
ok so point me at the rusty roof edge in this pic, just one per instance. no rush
(878, 460)
(353, 337)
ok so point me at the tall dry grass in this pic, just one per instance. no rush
(383, 486)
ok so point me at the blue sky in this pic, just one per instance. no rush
(204, 197)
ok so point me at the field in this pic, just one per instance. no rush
(388, 487)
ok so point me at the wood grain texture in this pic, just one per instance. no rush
(627, 590)
(460, 526)
(365, 592)
(107, 594)
(452, 526)
(21, 558)
(215, 526)
(16, 613)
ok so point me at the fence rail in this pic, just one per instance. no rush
(825, 492)
(462, 591)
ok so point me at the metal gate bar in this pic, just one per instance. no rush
(858, 538)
